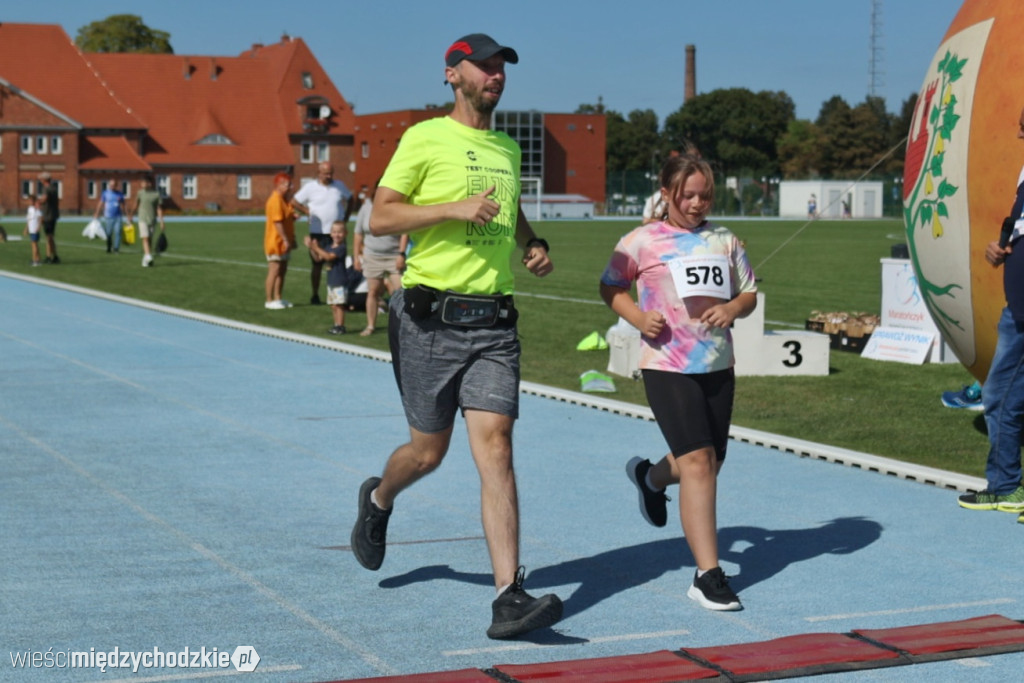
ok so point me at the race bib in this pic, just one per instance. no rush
(702, 275)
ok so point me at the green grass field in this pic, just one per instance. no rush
(888, 409)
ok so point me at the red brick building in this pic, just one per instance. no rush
(566, 151)
(213, 131)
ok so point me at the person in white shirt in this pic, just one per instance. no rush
(33, 220)
(325, 201)
(655, 208)
(381, 260)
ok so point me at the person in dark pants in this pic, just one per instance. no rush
(325, 201)
(1003, 397)
(51, 212)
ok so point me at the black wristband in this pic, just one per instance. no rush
(538, 242)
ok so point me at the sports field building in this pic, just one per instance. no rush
(864, 198)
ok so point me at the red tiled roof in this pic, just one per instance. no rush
(42, 61)
(288, 60)
(196, 110)
(109, 153)
(251, 100)
(183, 99)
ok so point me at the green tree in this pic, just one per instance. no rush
(799, 150)
(856, 139)
(123, 33)
(736, 129)
(591, 108)
(898, 135)
(633, 143)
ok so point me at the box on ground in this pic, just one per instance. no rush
(846, 331)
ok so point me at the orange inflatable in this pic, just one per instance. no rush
(960, 178)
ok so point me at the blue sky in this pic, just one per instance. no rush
(386, 55)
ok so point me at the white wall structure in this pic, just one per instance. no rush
(865, 198)
(566, 206)
(761, 352)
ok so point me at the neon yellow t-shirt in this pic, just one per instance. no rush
(441, 160)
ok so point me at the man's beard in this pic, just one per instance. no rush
(480, 103)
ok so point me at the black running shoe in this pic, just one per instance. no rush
(369, 535)
(652, 503)
(516, 611)
(712, 591)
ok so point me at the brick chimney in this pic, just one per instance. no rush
(690, 89)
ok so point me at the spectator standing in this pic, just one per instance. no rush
(325, 201)
(381, 260)
(51, 212)
(1003, 395)
(278, 241)
(454, 184)
(334, 256)
(33, 221)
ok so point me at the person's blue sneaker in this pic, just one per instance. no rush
(968, 397)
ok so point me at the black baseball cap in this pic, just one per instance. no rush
(477, 47)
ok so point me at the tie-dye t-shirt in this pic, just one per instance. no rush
(643, 256)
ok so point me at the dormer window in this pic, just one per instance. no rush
(215, 139)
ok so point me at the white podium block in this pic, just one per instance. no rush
(796, 352)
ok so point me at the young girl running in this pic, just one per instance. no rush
(693, 280)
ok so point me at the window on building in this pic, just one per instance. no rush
(91, 189)
(244, 185)
(323, 151)
(189, 187)
(56, 144)
(215, 139)
(126, 189)
(27, 188)
(41, 145)
(26, 144)
(306, 152)
(163, 184)
(307, 80)
(60, 189)
(365, 149)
